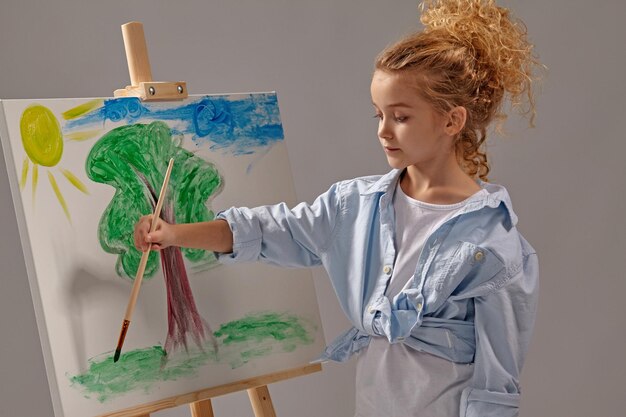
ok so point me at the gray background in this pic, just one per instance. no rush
(566, 176)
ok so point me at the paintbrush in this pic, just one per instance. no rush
(142, 266)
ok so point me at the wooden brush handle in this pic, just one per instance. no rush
(144, 257)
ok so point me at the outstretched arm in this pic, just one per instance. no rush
(213, 235)
(273, 234)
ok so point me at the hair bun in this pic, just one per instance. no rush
(498, 41)
(468, 21)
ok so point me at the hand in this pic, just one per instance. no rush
(161, 238)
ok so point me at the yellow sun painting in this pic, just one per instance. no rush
(42, 139)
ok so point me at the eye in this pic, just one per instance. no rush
(377, 116)
(401, 119)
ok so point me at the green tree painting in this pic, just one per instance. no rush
(133, 159)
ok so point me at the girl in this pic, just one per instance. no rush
(426, 260)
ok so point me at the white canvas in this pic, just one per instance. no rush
(80, 297)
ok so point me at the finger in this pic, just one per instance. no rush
(140, 227)
(155, 237)
(146, 223)
(141, 231)
(138, 236)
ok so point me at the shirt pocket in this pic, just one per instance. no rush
(468, 266)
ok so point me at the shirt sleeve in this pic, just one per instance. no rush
(278, 235)
(504, 322)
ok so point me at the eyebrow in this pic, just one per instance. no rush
(400, 104)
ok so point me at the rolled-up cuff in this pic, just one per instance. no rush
(484, 403)
(246, 236)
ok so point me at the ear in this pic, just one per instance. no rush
(455, 120)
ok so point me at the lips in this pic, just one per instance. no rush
(390, 149)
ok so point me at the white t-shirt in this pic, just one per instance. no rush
(394, 379)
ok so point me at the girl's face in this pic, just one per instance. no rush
(409, 129)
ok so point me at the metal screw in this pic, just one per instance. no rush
(180, 89)
(152, 91)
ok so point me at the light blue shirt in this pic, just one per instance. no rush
(473, 296)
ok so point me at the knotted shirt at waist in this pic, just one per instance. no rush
(453, 340)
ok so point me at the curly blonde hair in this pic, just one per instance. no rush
(471, 53)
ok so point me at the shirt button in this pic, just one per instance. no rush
(371, 309)
(479, 255)
(419, 306)
(387, 269)
(400, 339)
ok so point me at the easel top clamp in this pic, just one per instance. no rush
(141, 84)
(199, 402)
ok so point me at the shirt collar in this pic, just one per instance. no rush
(385, 183)
(497, 194)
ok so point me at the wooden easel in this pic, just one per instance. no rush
(200, 401)
(143, 87)
(141, 82)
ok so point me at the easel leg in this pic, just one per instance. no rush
(201, 409)
(261, 402)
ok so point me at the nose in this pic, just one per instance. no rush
(384, 132)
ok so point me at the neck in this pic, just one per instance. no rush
(443, 183)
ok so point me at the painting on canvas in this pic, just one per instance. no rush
(82, 172)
